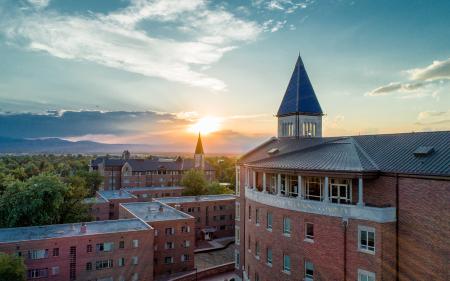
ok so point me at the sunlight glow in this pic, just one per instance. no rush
(206, 125)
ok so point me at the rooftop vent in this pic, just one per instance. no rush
(273, 150)
(83, 228)
(423, 151)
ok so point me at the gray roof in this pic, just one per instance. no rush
(202, 198)
(16, 234)
(150, 211)
(152, 164)
(115, 194)
(371, 153)
(150, 188)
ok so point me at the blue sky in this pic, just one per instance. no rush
(144, 71)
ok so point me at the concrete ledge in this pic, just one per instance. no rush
(209, 272)
(380, 215)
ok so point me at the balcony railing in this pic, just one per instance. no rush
(374, 214)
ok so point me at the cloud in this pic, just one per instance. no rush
(427, 114)
(436, 70)
(118, 40)
(433, 120)
(39, 4)
(420, 79)
(286, 6)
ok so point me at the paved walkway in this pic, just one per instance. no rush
(214, 258)
(216, 244)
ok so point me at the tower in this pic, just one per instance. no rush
(199, 156)
(300, 114)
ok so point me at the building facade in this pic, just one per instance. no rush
(341, 208)
(174, 242)
(214, 214)
(128, 172)
(94, 251)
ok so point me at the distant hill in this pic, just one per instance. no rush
(56, 145)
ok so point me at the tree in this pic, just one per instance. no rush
(42, 200)
(194, 183)
(12, 268)
(216, 188)
(93, 180)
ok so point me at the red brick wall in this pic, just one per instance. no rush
(206, 273)
(144, 267)
(424, 229)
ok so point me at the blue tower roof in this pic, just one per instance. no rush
(299, 97)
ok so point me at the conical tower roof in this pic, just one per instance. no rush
(299, 97)
(199, 147)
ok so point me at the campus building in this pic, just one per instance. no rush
(214, 214)
(155, 171)
(366, 208)
(94, 251)
(174, 235)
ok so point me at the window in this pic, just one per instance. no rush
(257, 251)
(341, 191)
(55, 252)
(89, 248)
(238, 211)
(237, 259)
(186, 244)
(269, 220)
(309, 231)
(249, 245)
(286, 263)
(55, 270)
(309, 271)
(269, 256)
(170, 245)
(313, 188)
(38, 273)
(185, 257)
(122, 244)
(88, 266)
(366, 238)
(121, 262)
(168, 260)
(170, 231)
(185, 229)
(238, 235)
(135, 277)
(134, 260)
(103, 264)
(249, 212)
(257, 216)
(365, 275)
(238, 179)
(256, 276)
(287, 226)
(38, 254)
(105, 247)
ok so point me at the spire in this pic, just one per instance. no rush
(299, 97)
(199, 147)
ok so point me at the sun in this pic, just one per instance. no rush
(205, 125)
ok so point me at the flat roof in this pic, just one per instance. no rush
(70, 230)
(150, 211)
(201, 198)
(153, 188)
(115, 194)
(93, 200)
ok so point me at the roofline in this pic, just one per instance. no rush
(320, 172)
(300, 113)
(256, 148)
(165, 205)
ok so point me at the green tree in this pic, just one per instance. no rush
(12, 268)
(194, 183)
(93, 180)
(216, 188)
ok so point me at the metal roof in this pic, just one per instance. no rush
(70, 230)
(299, 97)
(115, 194)
(383, 153)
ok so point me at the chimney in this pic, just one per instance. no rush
(83, 228)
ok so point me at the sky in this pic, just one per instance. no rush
(158, 71)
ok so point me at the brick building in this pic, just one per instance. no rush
(155, 171)
(360, 208)
(174, 236)
(214, 214)
(95, 251)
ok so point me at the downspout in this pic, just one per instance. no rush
(397, 202)
(345, 224)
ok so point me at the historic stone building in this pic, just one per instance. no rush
(155, 171)
(364, 208)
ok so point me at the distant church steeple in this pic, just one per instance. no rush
(300, 114)
(199, 156)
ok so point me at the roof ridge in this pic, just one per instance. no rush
(363, 152)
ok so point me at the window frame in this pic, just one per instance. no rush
(366, 229)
